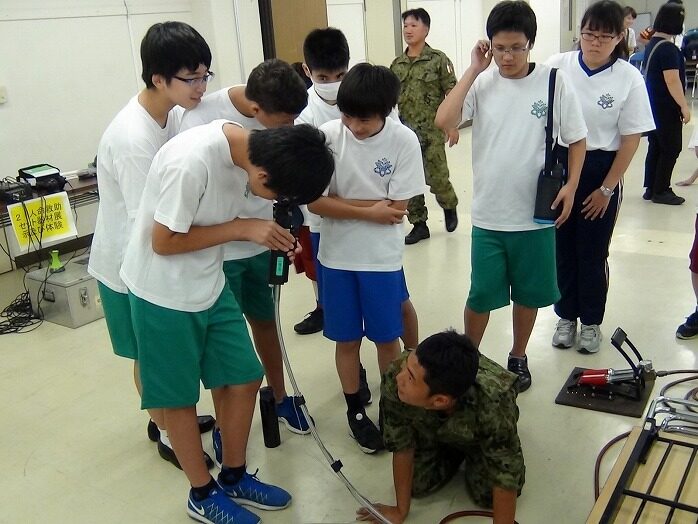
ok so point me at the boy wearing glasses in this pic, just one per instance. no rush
(512, 257)
(273, 97)
(188, 325)
(175, 60)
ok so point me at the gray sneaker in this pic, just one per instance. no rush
(589, 339)
(565, 333)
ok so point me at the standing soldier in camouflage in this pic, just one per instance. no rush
(444, 404)
(426, 76)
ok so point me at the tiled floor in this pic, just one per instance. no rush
(73, 446)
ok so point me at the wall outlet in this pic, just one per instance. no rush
(3, 94)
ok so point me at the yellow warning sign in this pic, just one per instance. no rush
(41, 220)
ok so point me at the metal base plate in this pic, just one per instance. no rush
(584, 398)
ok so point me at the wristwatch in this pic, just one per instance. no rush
(606, 191)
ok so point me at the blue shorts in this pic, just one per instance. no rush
(362, 303)
(315, 242)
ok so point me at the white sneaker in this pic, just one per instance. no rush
(565, 333)
(589, 339)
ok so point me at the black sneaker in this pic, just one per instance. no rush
(312, 323)
(519, 366)
(365, 432)
(688, 329)
(364, 390)
(451, 218)
(206, 423)
(668, 197)
(420, 231)
(168, 454)
(647, 195)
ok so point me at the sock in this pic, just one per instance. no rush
(164, 438)
(520, 358)
(354, 404)
(199, 494)
(231, 475)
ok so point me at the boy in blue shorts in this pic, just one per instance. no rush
(511, 255)
(176, 61)
(326, 55)
(378, 170)
(188, 326)
(273, 97)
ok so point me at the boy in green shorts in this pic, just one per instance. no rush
(188, 326)
(273, 97)
(512, 256)
(176, 61)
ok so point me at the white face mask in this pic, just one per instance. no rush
(327, 92)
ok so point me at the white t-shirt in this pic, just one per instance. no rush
(316, 113)
(509, 118)
(192, 182)
(217, 106)
(614, 99)
(385, 166)
(125, 153)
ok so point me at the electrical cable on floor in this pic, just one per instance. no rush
(463, 514)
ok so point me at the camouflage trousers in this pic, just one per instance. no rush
(437, 177)
(434, 467)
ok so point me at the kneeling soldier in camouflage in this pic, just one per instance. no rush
(445, 404)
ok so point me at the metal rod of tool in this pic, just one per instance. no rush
(336, 465)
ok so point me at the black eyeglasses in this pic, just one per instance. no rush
(604, 39)
(193, 82)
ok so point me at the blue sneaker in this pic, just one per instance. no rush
(250, 491)
(217, 446)
(289, 412)
(219, 509)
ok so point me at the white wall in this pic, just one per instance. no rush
(69, 66)
(652, 6)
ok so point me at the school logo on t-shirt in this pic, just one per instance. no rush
(539, 109)
(606, 101)
(383, 167)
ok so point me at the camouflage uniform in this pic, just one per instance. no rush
(424, 82)
(482, 431)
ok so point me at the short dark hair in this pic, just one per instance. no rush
(607, 16)
(168, 47)
(420, 14)
(276, 88)
(670, 18)
(368, 90)
(516, 16)
(298, 68)
(326, 49)
(450, 361)
(628, 10)
(298, 162)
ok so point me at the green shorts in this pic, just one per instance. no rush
(512, 264)
(248, 278)
(117, 313)
(177, 349)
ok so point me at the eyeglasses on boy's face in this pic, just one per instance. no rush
(591, 37)
(194, 82)
(514, 51)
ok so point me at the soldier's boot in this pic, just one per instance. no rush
(420, 231)
(451, 218)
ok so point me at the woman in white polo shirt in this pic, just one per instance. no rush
(617, 111)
